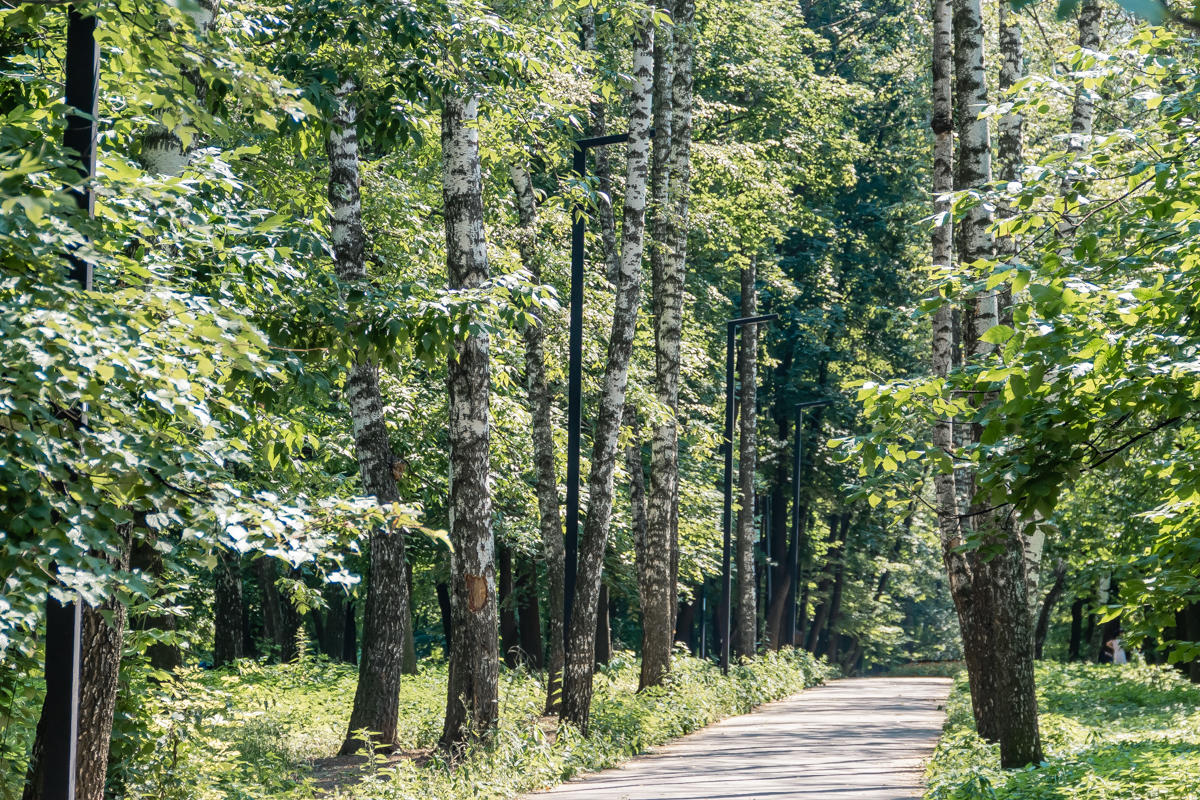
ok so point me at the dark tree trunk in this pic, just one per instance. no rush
(408, 664)
(102, 631)
(831, 636)
(388, 613)
(529, 615)
(747, 601)
(350, 654)
(508, 609)
(780, 572)
(1109, 630)
(603, 628)
(1187, 629)
(272, 608)
(812, 641)
(1052, 596)
(227, 609)
(685, 623)
(472, 691)
(162, 655)
(333, 643)
(1075, 645)
(443, 597)
(653, 567)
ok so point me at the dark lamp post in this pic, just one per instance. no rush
(789, 632)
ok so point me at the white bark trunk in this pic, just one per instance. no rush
(577, 683)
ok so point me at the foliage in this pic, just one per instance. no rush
(257, 731)
(1109, 732)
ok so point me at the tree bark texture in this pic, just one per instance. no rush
(540, 402)
(604, 647)
(529, 617)
(387, 613)
(472, 700)
(747, 600)
(577, 684)
(102, 630)
(509, 646)
(655, 576)
(990, 594)
(601, 158)
(1052, 597)
(227, 609)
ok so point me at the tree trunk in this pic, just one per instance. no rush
(508, 607)
(529, 616)
(272, 611)
(829, 644)
(997, 645)
(577, 684)
(162, 655)
(549, 516)
(685, 621)
(671, 313)
(350, 654)
(1052, 596)
(747, 601)
(653, 569)
(1075, 645)
(601, 159)
(289, 646)
(660, 517)
(387, 613)
(603, 628)
(102, 629)
(472, 699)
(408, 661)
(227, 609)
(443, 597)
(1095, 631)
(1187, 629)
(334, 642)
(781, 573)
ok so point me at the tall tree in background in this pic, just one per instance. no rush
(549, 513)
(747, 616)
(992, 602)
(577, 679)
(472, 693)
(376, 700)
(653, 522)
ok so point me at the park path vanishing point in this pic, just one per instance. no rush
(852, 739)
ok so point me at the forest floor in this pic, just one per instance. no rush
(853, 739)
(1109, 733)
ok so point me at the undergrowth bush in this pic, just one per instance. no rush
(262, 731)
(1109, 733)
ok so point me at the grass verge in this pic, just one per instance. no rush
(258, 732)
(1109, 733)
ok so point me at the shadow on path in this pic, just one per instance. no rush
(853, 739)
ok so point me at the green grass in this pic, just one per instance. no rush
(1109, 733)
(255, 732)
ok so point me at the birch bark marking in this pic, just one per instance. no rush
(747, 609)
(376, 703)
(994, 614)
(656, 578)
(472, 695)
(667, 460)
(1083, 108)
(549, 514)
(577, 681)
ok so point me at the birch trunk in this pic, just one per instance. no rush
(577, 684)
(549, 515)
(654, 567)
(747, 605)
(601, 159)
(993, 610)
(667, 462)
(387, 612)
(472, 698)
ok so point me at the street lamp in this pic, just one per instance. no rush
(731, 327)
(794, 548)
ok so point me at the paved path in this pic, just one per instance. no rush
(854, 739)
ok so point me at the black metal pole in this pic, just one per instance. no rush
(574, 397)
(727, 517)
(63, 620)
(794, 545)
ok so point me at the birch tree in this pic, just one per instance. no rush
(549, 513)
(472, 695)
(992, 600)
(577, 680)
(376, 703)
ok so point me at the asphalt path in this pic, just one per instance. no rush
(851, 739)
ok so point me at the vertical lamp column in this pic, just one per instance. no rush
(789, 623)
